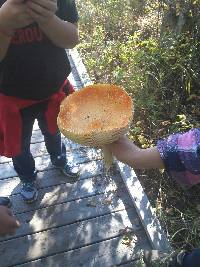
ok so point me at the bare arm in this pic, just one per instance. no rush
(126, 151)
(61, 33)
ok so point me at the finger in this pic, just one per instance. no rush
(39, 12)
(35, 16)
(43, 8)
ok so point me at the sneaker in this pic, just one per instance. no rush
(29, 192)
(5, 201)
(70, 171)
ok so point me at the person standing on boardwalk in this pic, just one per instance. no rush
(33, 81)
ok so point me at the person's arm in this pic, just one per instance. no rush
(13, 15)
(61, 33)
(126, 151)
(8, 224)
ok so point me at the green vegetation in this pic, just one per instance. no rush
(152, 49)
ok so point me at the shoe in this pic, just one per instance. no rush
(177, 260)
(5, 201)
(29, 192)
(70, 171)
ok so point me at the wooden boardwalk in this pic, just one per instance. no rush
(92, 221)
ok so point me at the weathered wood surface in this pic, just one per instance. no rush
(80, 222)
(65, 238)
(86, 217)
(102, 254)
(43, 162)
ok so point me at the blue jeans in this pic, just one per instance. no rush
(192, 259)
(24, 163)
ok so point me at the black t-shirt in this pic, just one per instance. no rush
(35, 68)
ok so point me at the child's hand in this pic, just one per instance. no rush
(42, 10)
(14, 14)
(8, 224)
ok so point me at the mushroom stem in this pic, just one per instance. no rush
(108, 157)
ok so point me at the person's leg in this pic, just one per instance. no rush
(182, 259)
(55, 147)
(24, 163)
(186, 259)
(192, 259)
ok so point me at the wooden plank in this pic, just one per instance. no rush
(44, 163)
(65, 238)
(35, 126)
(145, 212)
(39, 149)
(6, 170)
(48, 178)
(109, 253)
(37, 137)
(53, 177)
(64, 192)
(68, 213)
